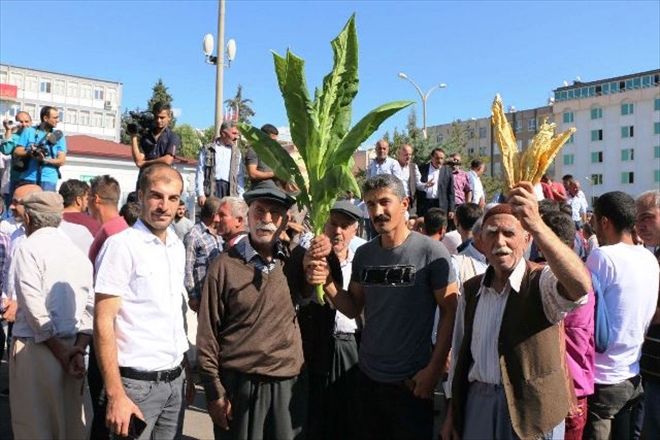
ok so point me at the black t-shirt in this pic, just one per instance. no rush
(167, 143)
(251, 158)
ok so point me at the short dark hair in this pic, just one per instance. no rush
(146, 178)
(567, 177)
(476, 163)
(71, 189)
(467, 215)
(619, 208)
(548, 205)
(131, 212)
(437, 149)
(107, 188)
(210, 207)
(159, 107)
(45, 111)
(270, 129)
(435, 220)
(384, 181)
(562, 225)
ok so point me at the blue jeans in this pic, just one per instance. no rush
(46, 186)
(161, 403)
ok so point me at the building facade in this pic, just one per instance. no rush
(87, 106)
(617, 143)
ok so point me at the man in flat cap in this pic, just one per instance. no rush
(52, 329)
(249, 348)
(329, 338)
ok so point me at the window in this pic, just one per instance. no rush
(84, 118)
(60, 112)
(657, 176)
(656, 105)
(531, 125)
(627, 177)
(627, 154)
(596, 135)
(439, 138)
(86, 91)
(44, 86)
(597, 157)
(98, 93)
(72, 90)
(3, 77)
(482, 130)
(518, 125)
(571, 139)
(627, 108)
(16, 79)
(71, 116)
(656, 152)
(58, 87)
(596, 179)
(568, 117)
(596, 113)
(32, 110)
(109, 121)
(656, 128)
(97, 120)
(569, 159)
(628, 131)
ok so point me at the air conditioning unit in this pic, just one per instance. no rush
(108, 105)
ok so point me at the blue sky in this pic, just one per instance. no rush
(520, 49)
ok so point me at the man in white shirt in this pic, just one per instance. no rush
(220, 170)
(409, 173)
(382, 163)
(576, 200)
(477, 168)
(52, 329)
(139, 333)
(628, 277)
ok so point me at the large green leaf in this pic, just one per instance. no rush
(339, 88)
(365, 128)
(276, 157)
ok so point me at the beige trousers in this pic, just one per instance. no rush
(45, 401)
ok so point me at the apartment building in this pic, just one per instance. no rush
(617, 143)
(88, 106)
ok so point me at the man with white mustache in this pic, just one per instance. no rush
(507, 371)
(249, 348)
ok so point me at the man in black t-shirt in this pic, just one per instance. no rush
(257, 170)
(159, 144)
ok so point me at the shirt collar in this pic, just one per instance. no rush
(515, 279)
(150, 237)
(245, 249)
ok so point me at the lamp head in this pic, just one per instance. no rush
(231, 49)
(207, 44)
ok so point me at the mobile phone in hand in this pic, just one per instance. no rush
(136, 427)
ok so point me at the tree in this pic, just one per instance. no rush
(208, 135)
(160, 95)
(190, 141)
(456, 141)
(243, 105)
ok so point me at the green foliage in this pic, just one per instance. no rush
(160, 95)
(191, 141)
(320, 127)
(245, 111)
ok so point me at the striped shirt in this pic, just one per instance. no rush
(488, 320)
(201, 247)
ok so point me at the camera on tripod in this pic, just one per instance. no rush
(140, 122)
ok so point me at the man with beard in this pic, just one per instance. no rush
(398, 280)
(182, 224)
(507, 371)
(249, 349)
(139, 334)
(329, 339)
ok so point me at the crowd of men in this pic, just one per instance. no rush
(534, 317)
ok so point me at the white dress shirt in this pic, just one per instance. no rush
(53, 282)
(477, 187)
(344, 324)
(434, 173)
(222, 168)
(388, 166)
(148, 276)
(404, 175)
(488, 321)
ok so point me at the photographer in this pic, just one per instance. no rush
(41, 151)
(157, 143)
(12, 134)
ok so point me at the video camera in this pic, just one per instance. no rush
(42, 148)
(140, 122)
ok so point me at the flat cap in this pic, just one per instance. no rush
(46, 202)
(347, 208)
(266, 189)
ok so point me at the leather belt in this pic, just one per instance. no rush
(151, 376)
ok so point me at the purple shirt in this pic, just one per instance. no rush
(461, 186)
(580, 351)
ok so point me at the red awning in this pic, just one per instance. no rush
(8, 92)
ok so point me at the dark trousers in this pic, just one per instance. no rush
(264, 408)
(612, 410)
(333, 412)
(390, 411)
(95, 382)
(221, 188)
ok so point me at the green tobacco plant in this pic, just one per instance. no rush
(320, 129)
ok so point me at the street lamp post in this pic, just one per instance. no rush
(423, 96)
(219, 60)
